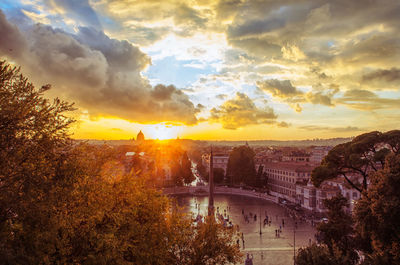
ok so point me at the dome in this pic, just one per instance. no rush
(140, 137)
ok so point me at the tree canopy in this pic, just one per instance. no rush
(67, 203)
(357, 159)
(372, 233)
(377, 215)
(336, 237)
(241, 167)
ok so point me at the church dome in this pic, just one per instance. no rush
(140, 137)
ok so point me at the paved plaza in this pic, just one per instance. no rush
(266, 248)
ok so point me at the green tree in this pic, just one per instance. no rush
(241, 167)
(363, 155)
(377, 215)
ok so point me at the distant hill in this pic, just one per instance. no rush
(297, 143)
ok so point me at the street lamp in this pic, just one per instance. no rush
(260, 213)
(294, 241)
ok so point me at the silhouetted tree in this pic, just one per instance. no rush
(377, 215)
(364, 154)
(219, 175)
(241, 167)
(338, 233)
(186, 169)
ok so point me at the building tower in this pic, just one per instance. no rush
(211, 185)
(140, 137)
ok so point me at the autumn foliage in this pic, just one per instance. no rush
(62, 202)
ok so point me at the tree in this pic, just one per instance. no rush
(336, 236)
(359, 158)
(377, 215)
(241, 167)
(201, 169)
(314, 255)
(34, 167)
(338, 233)
(68, 203)
(212, 244)
(219, 175)
(186, 169)
(320, 255)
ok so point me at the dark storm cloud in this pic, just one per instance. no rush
(99, 73)
(241, 111)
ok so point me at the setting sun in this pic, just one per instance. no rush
(162, 132)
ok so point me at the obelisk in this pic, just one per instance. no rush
(211, 186)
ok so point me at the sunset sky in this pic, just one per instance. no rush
(225, 70)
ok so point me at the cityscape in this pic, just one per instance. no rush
(200, 132)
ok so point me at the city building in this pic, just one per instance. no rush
(306, 195)
(326, 191)
(282, 178)
(296, 156)
(140, 137)
(220, 160)
(347, 191)
(318, 153)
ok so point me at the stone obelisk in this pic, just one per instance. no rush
(211, 186)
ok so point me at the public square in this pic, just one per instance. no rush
(266, 248)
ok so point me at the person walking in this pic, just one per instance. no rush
(249, 261)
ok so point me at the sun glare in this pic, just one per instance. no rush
(163, 132)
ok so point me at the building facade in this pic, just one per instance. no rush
(282, 178)
(220, 160)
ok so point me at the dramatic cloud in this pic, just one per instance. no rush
(285, 90)
(100, 74)
(241, 111)
(367, 100)
(11, 41)
(278, 88)
(390, 75)
(338, 58)
(79, 10)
